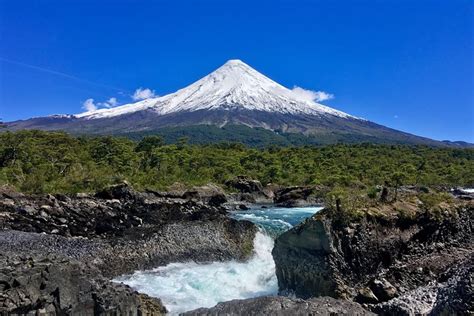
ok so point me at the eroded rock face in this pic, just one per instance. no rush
(109, 213)
(374, 262)
(52, 285)
(245, 185)
(455, 295)
(302, 256)
(279, 305)
(297, 196)
(249, 191)
(209, 194)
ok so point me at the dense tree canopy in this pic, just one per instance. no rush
(36, 161)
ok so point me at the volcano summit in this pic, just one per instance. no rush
(233, 96)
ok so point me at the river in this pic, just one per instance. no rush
(189, 285)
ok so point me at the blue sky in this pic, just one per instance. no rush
(404, 64)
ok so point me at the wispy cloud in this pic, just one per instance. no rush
(310, 95)
(89, 105)
(110, 103)
(142, 94)
(59, 74)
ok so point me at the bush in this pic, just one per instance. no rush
(432, 201)
(373, 192)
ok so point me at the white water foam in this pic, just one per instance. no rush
(187, 286)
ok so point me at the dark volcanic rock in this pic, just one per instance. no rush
(249, 191)
(279, 305)
(94, 238)
(296, 196)
(210, 194)
(121, 191)
(52, 285)
(109, 213)
(453, 294)
(456, 294)
(375, 261)
(245, 185)
(304, 262)
(142, 248)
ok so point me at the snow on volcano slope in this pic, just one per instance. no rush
(235, 85)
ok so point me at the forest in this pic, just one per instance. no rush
(56, 162)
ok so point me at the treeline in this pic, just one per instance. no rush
(38, 162)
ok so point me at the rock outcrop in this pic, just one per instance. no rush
(298, 196)
(279, 305)
(245, 185)
(57, 286)
(249, 191)
(108, 213)
(209, 194)
(382, 262)
(83, 241)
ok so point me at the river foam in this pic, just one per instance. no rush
(187, 286)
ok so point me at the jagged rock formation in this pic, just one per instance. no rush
(57, 286)
(299, 196)
(393, 265)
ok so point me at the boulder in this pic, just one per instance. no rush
(119, 191)
(304, 263)
(210, 194)
(295, 196)
(245, 185)
(365, 295)
(383, 290)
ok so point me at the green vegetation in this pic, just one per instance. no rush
(348, 205)
(259, 137)
(211, 134)
(37, 161)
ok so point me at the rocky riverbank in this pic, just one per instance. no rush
(283, 306)
(399, 255)
(402, 257)
(59, 252)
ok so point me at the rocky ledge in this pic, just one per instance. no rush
(396, 258)
(249, 191)
(59, 252)
(284, 306)
(53, 285)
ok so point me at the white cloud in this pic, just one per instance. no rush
(89, 105)
(110, 103)
(142, 94)
(310, 95)
(395, 116)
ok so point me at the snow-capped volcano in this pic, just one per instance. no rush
(235, 85)
(234, 103)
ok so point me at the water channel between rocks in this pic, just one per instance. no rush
(185, 286)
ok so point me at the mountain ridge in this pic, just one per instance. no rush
(233, 94)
